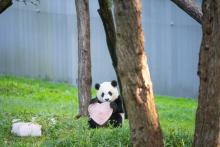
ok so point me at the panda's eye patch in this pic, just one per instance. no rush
(102, 94)
(110, 93)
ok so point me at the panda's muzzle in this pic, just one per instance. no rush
(107, 99)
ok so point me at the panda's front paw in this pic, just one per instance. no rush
(92, 101)
(113, 105)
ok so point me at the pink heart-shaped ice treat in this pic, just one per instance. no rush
(100, 112)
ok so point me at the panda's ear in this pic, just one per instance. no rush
(97, 86)
(114, 83)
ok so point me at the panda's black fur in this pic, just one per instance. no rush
(116, 118)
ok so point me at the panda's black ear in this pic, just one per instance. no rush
(97, 86)
(114, 83)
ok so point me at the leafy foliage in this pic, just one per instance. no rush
(110, 3)
(33, 2)
(46, 101)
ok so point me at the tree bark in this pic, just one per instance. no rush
(106, 16)
(207, 131)
(4, 4)
(108, 22)
(134, 74)
(84, 57)
(190, 8)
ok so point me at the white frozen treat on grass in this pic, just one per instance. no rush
(26, 129)
(16, 120)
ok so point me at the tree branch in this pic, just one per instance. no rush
(4, 4)
(106, 15)
(109, 27)
(33, 2)
(190, 8)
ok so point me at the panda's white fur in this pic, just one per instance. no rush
(107, 92)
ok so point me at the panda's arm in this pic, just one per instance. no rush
(119, 103)
(117, 106)
(94, 100)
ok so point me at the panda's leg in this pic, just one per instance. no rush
(92, 123)
(116, 120)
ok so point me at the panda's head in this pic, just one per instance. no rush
(107, 91)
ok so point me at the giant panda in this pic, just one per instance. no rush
(108, 92)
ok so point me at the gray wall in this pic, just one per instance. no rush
(41, 41)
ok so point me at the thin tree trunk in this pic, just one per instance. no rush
(134, 74)
(105, 13)
(4, 4)
(84, 58)
(190, 8)
(207, 131)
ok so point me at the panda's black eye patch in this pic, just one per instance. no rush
(110, 93)
(102, 94)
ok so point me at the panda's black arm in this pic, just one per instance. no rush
(94, 100)
(120, 107)
(117, 106)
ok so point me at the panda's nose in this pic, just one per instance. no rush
(107, 99)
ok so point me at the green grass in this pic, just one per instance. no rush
(24, 98)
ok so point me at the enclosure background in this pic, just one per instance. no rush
(41, 42)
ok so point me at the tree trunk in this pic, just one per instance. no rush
(4, 4)
(134, 74)
(105, 13)
(190, 8)
(207, 131)
(84, 58)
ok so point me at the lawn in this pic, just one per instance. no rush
(25, 99)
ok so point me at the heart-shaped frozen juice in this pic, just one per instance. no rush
(100, 112)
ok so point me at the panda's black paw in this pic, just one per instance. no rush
(95, 100)
(92, 124)
(113, 105)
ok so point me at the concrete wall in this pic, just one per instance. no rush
(41, 41)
